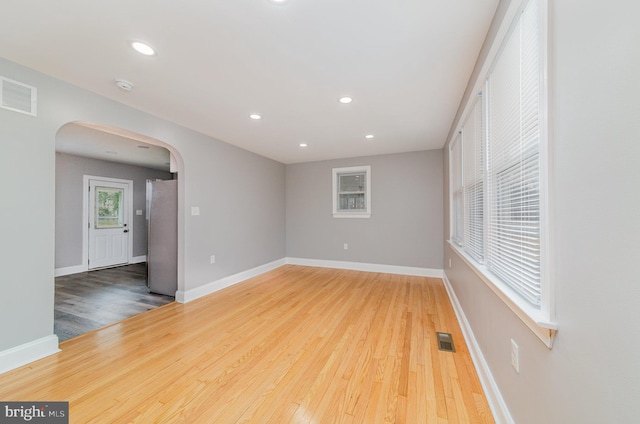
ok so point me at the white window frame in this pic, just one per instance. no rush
(335, 194)
(456, 187)
(541, 321)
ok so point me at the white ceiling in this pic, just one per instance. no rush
(80, 140)
(405, 63)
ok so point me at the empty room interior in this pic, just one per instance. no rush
(321, 211)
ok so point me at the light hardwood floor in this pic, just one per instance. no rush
(295, 345)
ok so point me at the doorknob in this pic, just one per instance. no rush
(126, 231)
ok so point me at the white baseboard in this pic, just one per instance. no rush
(361, 266)
(76, 269)
(68, 270)
(189, 295)
(28, 352)
(494, 397)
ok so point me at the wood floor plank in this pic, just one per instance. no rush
(297, 344)
(90, 300)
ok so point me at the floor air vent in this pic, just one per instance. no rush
(17, 96)
(445, 342)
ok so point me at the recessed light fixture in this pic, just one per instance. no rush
(302, 144)
(369, 136)
(143, 147)
(111, 152)
(255, 116)
(278, 1)
(143, 48)
(345, 99)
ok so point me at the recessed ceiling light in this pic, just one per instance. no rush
(369, 136)
(111, 152)
(143, 147)
(345, 99)
(278, 1)
(302, 144)
(255, 116)
(143, 48)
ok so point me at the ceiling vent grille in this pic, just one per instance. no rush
(17, 96)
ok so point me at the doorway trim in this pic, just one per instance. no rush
(85, 216)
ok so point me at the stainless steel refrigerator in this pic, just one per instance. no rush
(162, 236)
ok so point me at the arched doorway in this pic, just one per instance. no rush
(106, 156)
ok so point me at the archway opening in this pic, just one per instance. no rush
(90, 155)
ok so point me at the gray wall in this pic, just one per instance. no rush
(405, 227)
(592, 373)
(240, 195)
(70, 170)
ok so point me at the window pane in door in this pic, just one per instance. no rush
(109, 207)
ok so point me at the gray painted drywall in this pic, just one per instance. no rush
(70, 170)
(592, 374)
(405, 227)
(241, 197)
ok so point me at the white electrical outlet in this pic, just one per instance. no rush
(195, 210)
(212, 260)
(515, 356)
(138, 211)
(346, 246)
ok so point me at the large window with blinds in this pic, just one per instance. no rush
(496, 165)
(473, 172)
(513, 160)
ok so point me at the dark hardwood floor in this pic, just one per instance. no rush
(95, 299)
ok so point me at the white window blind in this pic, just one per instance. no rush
(473, 181)
(457, 209)
(513, 160)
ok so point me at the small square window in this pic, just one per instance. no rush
(352, 192)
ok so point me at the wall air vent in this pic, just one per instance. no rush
(17, 96)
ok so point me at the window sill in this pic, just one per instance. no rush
(351, 215)
(537, 321)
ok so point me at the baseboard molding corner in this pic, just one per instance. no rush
(494, 397)
(138, 259)
(68, 270)
(29, 352)
(185, 296)
(368, 267)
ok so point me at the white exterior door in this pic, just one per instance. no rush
(109, 230)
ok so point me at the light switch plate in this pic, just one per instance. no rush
(138, 211)
(195, 210)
